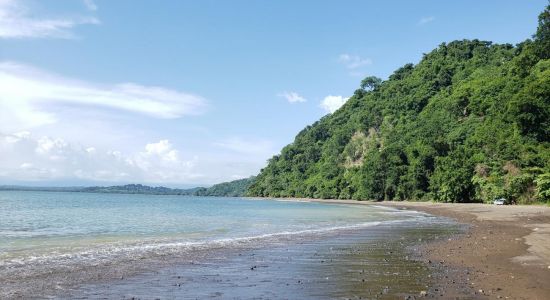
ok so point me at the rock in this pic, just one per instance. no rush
(423, 293)
(480, 291)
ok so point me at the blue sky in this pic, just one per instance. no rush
(184, 93)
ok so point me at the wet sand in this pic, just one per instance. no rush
(505, 254)
(375, 263)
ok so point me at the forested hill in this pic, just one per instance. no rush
(469, 123)
(114, 189)
(235, 188)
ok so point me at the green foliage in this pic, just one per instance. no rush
(370, 83)
(542, 36)
(452, 178)
(543, 187)
(235, 188)
(469, 123)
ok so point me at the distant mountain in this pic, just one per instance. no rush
(40, 188)
(234, 188)
(138, 189)
(469, 123)
(116, 189)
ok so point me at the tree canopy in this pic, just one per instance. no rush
(469, 123)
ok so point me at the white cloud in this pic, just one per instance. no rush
(353, 61)
(90, 4)
(292, 97)
(46, 158)
(29, 95)
(425, 20)
(51, 159)
(332, 103)
(17, 22)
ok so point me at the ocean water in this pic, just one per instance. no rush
(66, 237)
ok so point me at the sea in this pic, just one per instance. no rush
(114, 246)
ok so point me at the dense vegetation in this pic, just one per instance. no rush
(234, 188)
(469, 123)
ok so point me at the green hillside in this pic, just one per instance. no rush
(470, 122)
(235, 188)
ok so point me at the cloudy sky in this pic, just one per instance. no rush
(186, 93)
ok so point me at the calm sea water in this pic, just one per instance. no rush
(41, 226)
(52, 233)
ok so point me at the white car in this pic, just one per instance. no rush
(499, 201)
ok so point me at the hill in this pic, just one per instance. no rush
(234, 188)
(470, 122)
(115, 189)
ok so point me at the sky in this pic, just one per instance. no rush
(189, 93)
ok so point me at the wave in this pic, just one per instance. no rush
(144, 249)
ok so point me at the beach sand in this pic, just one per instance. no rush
(505, 253)
(370, 263)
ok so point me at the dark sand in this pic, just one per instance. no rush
(375, 263)
(505, 254)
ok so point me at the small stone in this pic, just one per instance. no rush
(480, 291)
(423, 293)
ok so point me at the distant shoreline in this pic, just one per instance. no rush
(233, 188)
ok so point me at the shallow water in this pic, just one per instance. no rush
(54, 243)
(373, 263)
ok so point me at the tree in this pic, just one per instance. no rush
(542, 36)
(469, 122)
(370, 83)
(543, 187)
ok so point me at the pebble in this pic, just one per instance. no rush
(423, 293)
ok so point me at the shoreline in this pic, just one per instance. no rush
(504, 254)
(500, 252)
(376, 262)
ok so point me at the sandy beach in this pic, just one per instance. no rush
(505, 253)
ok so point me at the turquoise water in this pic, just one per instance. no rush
(44, 230)
(47, 225)
(55, 240)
